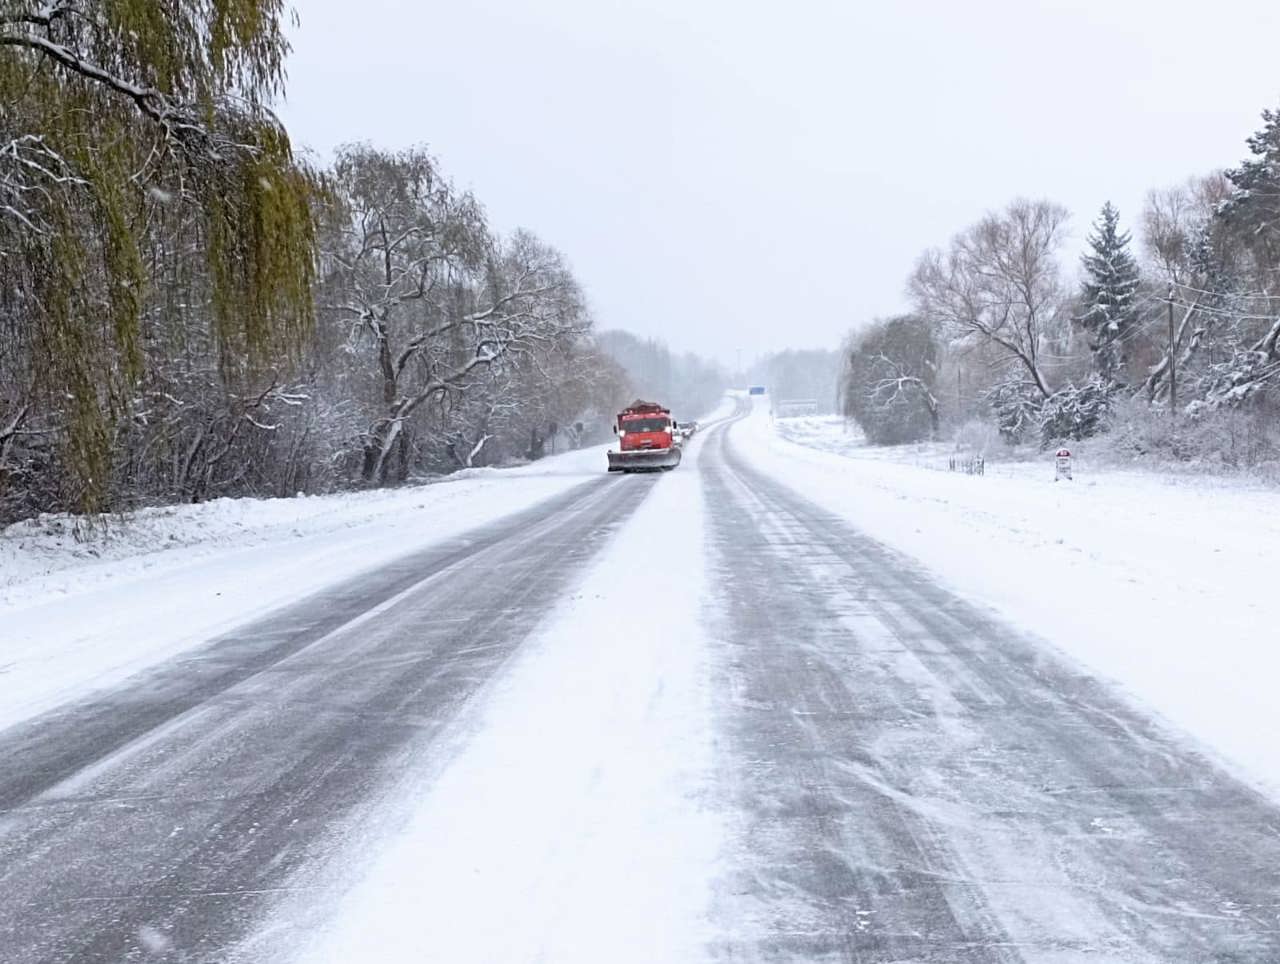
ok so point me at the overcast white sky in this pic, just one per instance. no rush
(739, 175)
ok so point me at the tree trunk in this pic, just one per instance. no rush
(1034, 368)
(404, 452)
(376, 451)
(1270, 343)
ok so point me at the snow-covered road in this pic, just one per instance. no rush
(687, 717)
(913, 780)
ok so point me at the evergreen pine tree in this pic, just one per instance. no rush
(1253, 210)
(1109, 298)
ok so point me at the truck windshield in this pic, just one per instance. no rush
(645, 425)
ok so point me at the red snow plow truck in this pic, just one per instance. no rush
(646, 439)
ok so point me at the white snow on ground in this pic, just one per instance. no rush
(51, 554)
(76, 615)
(1165, 585)
(572, 823)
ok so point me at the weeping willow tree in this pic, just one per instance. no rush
(136, 139)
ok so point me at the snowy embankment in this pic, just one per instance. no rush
(81, 612)
(1164, 585)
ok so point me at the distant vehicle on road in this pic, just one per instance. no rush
(755, 390)
(648, 439)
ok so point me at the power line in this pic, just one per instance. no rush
(1227, 312)
(1226, 294)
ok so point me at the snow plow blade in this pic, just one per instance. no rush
(644, 460)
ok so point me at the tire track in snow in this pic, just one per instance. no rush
(916, 781)
(155, 822)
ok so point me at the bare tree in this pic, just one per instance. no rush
(1000, 281)
(527, 302)
(1173, 224)
(429, 297)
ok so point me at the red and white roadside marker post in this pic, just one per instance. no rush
(1062, 465)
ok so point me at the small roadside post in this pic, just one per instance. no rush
(1062, 465)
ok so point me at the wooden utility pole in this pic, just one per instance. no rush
(1173, 362)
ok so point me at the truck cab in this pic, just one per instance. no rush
(647, 439)
(644, 431)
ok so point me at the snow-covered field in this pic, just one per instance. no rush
(1164, 584)
(81, 611)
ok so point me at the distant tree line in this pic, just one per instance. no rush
(187, 310)
(809, 375)
(689, 385)
(1186, 329)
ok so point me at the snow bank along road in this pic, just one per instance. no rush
(486, 751)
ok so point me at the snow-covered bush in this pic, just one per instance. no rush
(1016, 407)
(979, 437)
(1076, 413)
(1232, 439)
(889, 380)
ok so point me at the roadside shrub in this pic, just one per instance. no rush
(888, 382)
(1214, 439)
(979, 437)
(1076, 413)
(1016, 407)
